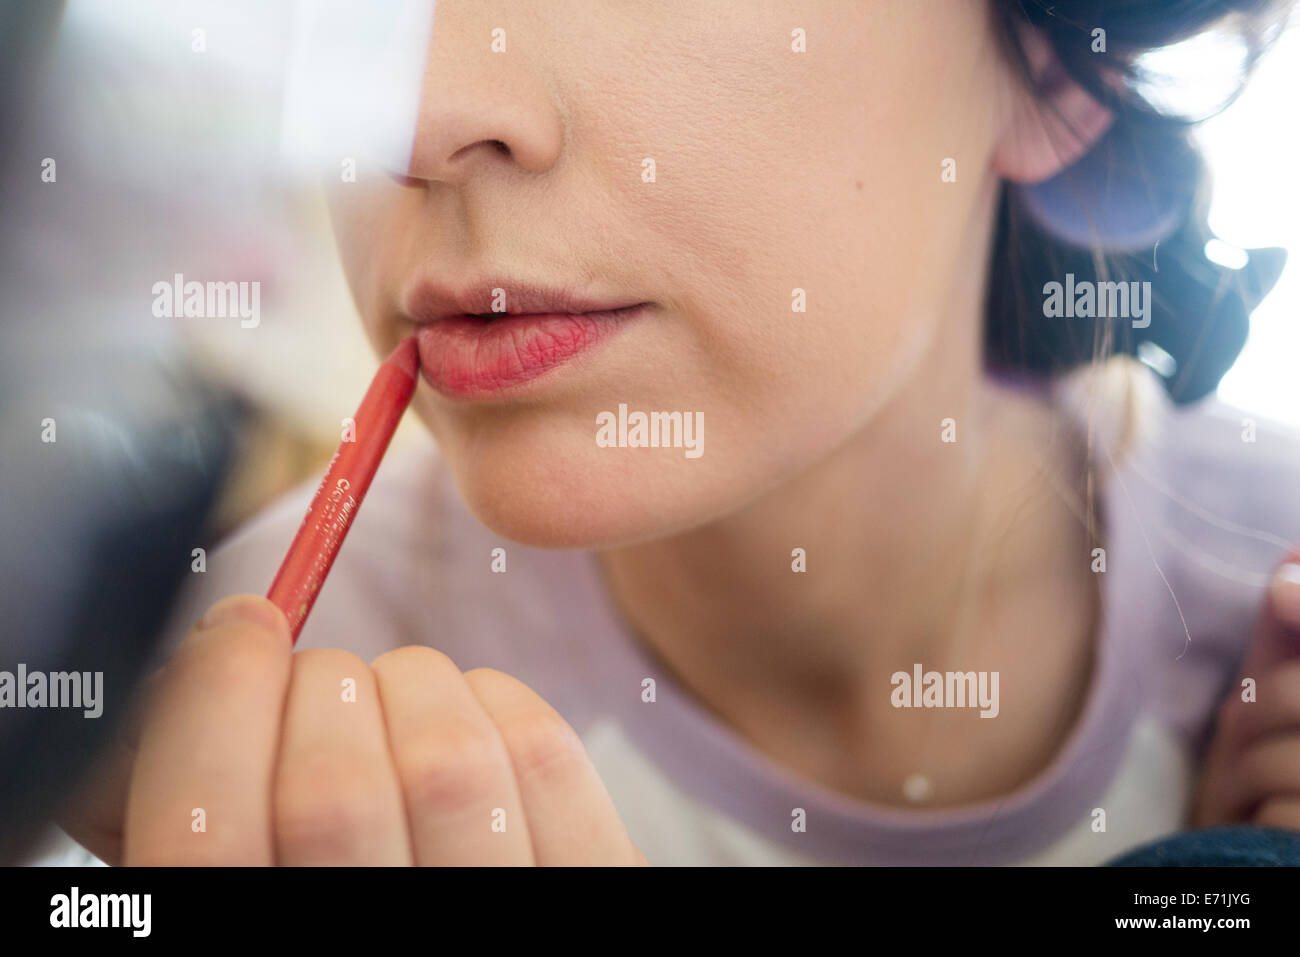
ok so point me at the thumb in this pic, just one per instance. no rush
(95, 815)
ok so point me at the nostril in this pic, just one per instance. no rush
(500, 146)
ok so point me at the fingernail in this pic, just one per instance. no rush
(245, 610)
(1285, 589)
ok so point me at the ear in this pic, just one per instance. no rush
(1050, 130)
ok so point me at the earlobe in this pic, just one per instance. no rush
(1047, 132)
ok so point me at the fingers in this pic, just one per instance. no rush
(201, 785)
(1275, 710)
(252, 755)
(1266, 771)
(1280, 812)
(1252, 765)
(336, 796)
(1278, 639)
(570, 814)
(1284, 593)
(1265, 784)
(462, 803)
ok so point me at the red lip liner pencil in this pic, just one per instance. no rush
(341, 492)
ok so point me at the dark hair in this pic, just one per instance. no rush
(1199, 310)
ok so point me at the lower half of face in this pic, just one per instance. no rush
(762, 189)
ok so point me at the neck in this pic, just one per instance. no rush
(899, 529)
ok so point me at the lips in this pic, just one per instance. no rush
(470, 348)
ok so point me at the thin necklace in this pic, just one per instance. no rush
(918, 786)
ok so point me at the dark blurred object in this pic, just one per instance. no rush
(1125, 213)
(97, 527)
(25, 32)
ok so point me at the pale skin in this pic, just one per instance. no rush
(776, 170)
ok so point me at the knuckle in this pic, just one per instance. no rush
(325, 806)
(542, 745)
(452, 764)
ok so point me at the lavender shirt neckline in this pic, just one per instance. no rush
(717, 766)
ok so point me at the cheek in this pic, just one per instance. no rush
(773, 173)
(824, 177)
(368, 232)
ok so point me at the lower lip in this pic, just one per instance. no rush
(465, 356)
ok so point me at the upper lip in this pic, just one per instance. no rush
(429, 301)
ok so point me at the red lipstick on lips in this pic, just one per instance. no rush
(468, 350)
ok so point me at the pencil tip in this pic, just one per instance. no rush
(405, 356)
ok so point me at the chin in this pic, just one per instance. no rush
(570, 494)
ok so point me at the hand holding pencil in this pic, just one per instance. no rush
(247, 753)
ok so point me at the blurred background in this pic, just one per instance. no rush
(192, 137)
(1252, 148)
(144, 140)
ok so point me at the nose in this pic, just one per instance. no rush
(483, 108)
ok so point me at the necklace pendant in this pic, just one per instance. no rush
(917, 788)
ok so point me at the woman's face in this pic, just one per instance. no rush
(773, 171)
